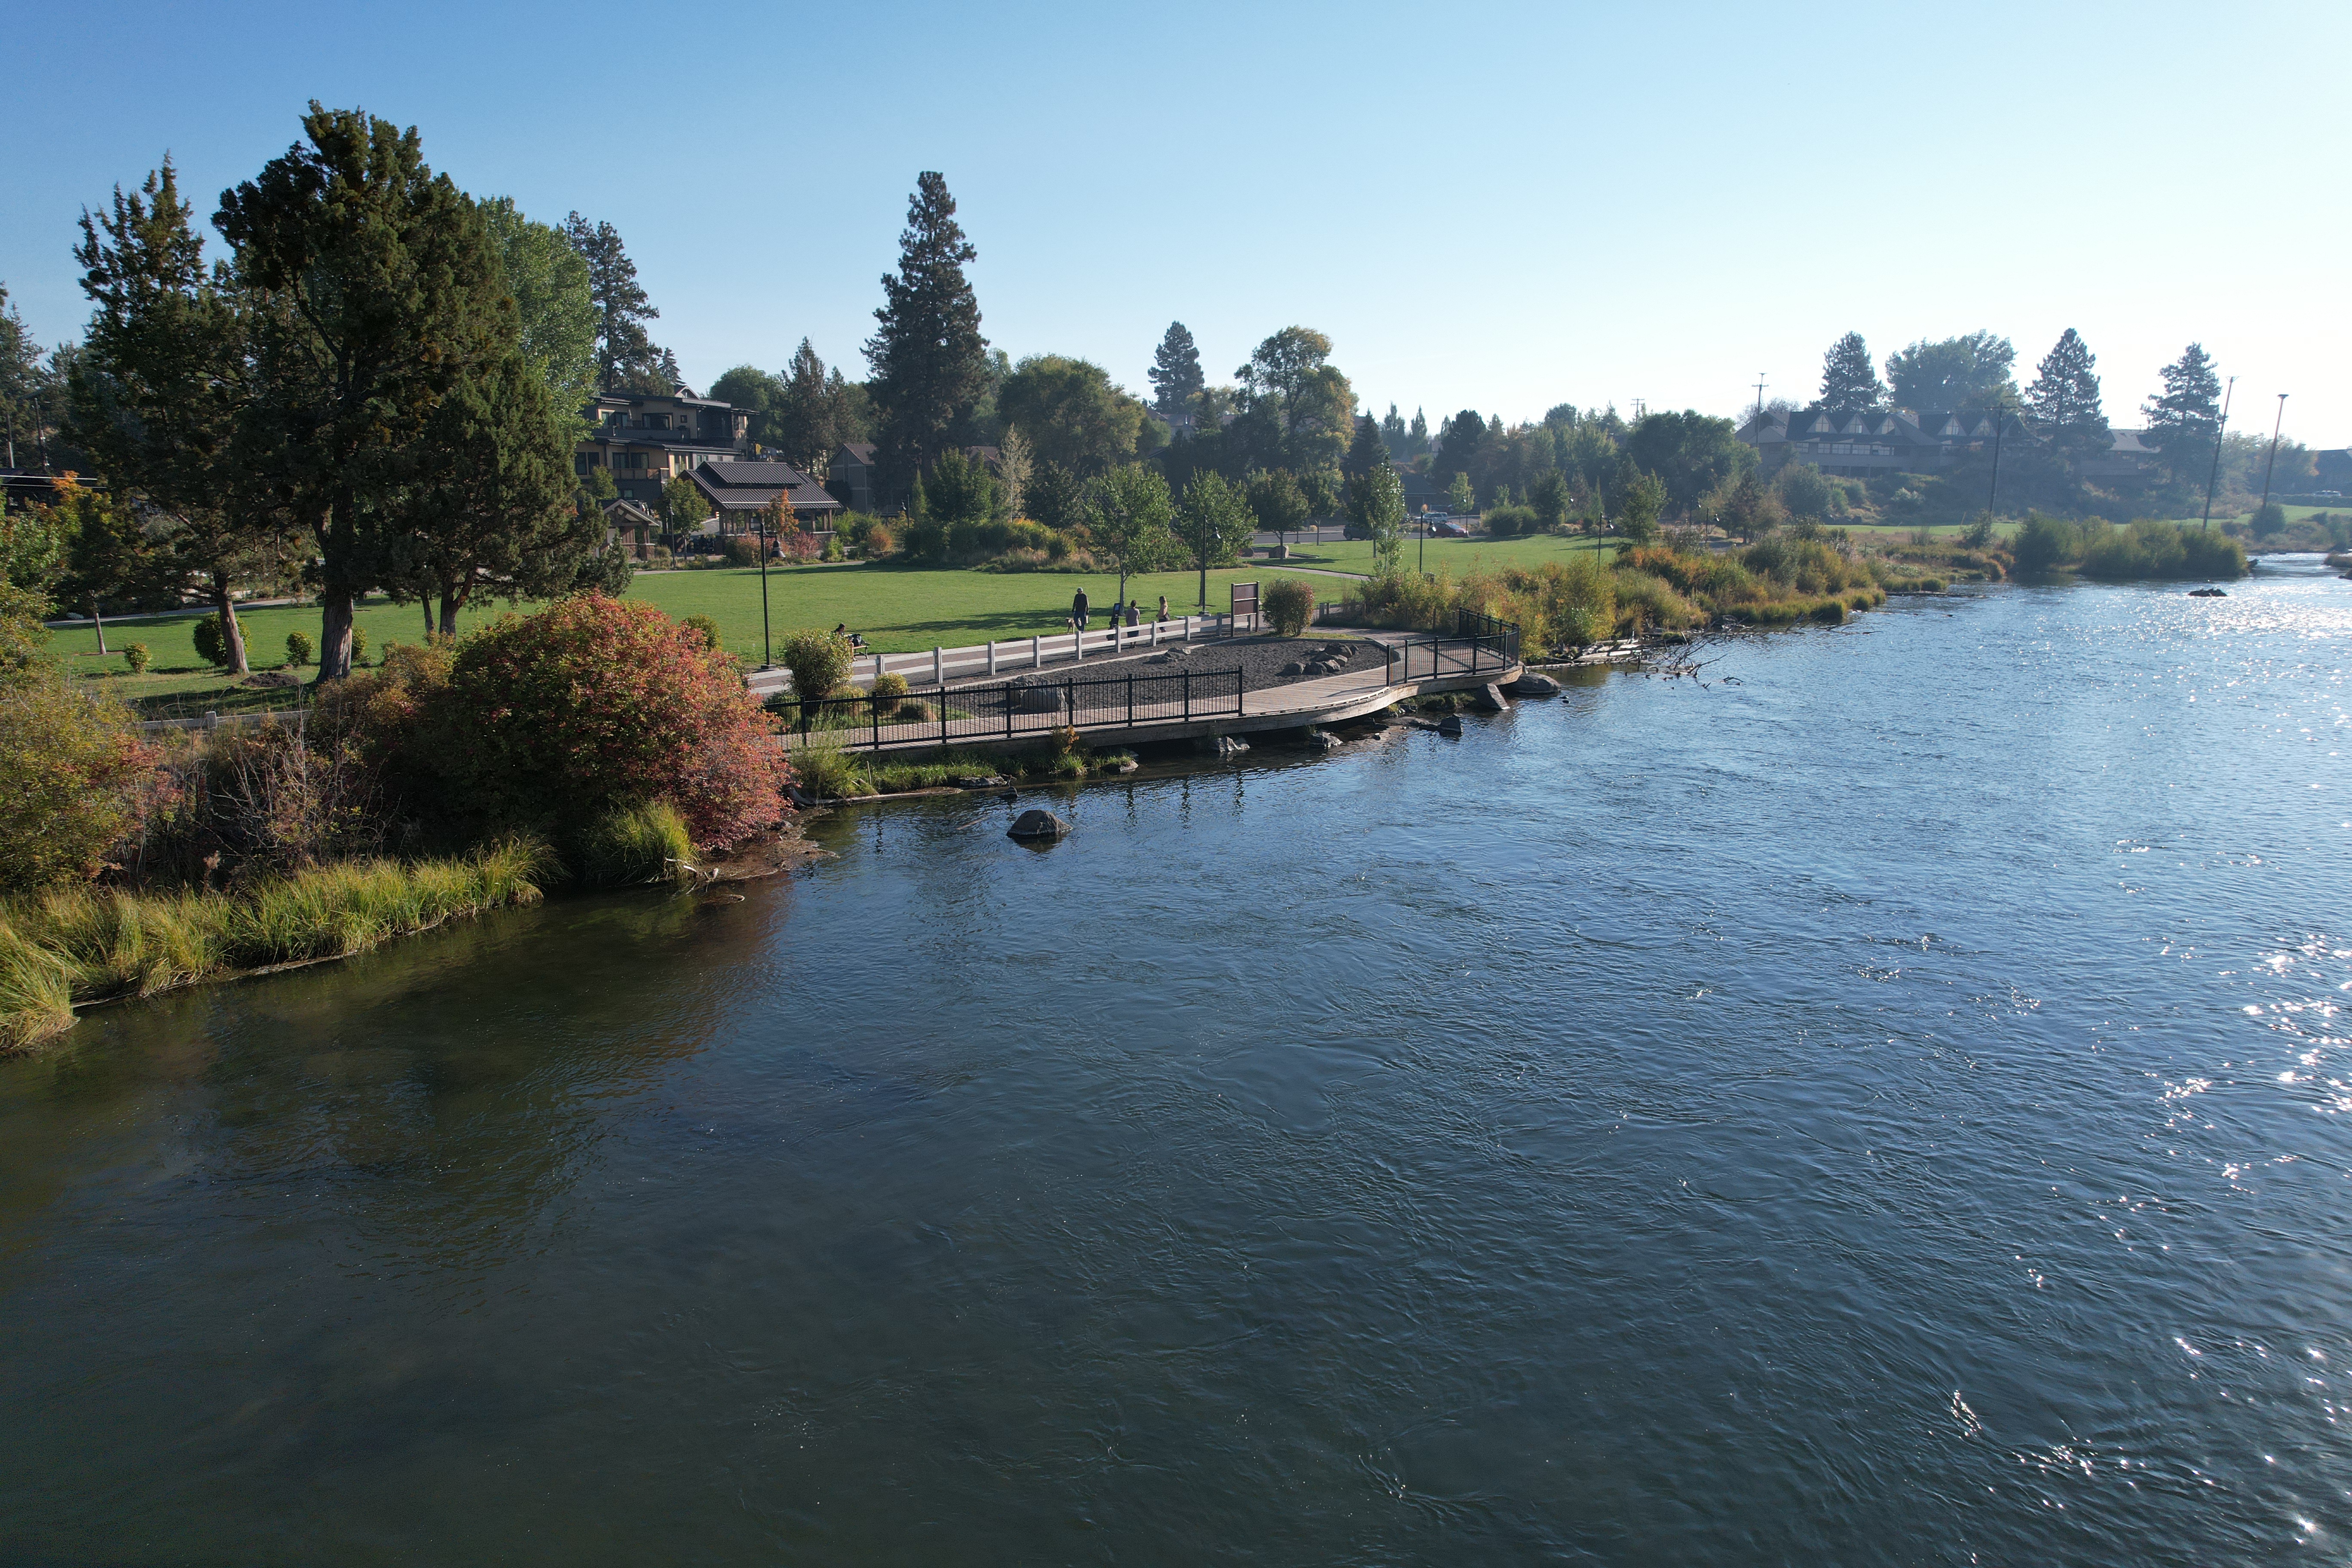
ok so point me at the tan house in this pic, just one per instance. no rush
(645, 440)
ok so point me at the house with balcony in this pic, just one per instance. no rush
(1857, 445)
(645, 440)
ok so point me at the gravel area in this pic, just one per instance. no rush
(1262, 660)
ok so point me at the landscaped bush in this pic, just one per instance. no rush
(707, 625)
(2269, 520)
(76, 780)
(136, 655)
(359, 648)
(742, 550)
(2043, 544)
(299, 650)
(888, 688)
(1510, 521)
(556, 719)
(819, 662)
(913, 712)
(212, 646)
(878, 541)
(1289, 603)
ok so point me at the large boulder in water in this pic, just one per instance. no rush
(1033, 824)
(1531, 684)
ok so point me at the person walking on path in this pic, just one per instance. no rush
(1078, 609)
(1163, 607)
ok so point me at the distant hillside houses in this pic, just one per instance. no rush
(1856, 446)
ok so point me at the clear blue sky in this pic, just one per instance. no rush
(1499, 206)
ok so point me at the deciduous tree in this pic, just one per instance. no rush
(555, 310)
(1276, 501)
(1071, 412)
(1127, 513)
(1690, 451)
(1376, 505)
(1213, 524)
(1970, 371)
(1300, 398)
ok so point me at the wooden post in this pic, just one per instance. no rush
(1036, 653)
(938, 677)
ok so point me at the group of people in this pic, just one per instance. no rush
(1132, 613)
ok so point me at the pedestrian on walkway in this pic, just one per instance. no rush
(1078, 609)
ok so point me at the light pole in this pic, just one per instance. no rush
(2206, 526)
(2273, 462)
(767, 654)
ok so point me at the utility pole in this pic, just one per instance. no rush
(1760, 385)
(2211, 479)
(1999, 422)
(2273, 462)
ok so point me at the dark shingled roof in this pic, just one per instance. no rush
(752, 487)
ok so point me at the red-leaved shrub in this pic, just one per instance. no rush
(593, 704)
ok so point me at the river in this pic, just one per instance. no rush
(1882, 1100)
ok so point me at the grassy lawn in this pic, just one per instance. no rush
(1457, 556)
(897, 610)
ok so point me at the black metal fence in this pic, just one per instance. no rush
(1480, 644)
(1005, 711)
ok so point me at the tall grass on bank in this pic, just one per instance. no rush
(81, 944)
(633, 847)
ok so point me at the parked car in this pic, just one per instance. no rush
(1449, 530)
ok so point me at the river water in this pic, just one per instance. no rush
(1884, 1103)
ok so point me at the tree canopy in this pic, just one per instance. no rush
(1690, 453)
(555, 310)
(1970, 371)
(1071, 412)
(1300, 409)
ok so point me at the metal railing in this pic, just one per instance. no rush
(1007, 710)
(1480, 644)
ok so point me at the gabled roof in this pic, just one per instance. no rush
(754, 487)
(857, 452)
(628, 513)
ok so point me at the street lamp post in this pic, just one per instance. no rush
(767, 654)
(1999, 424)
(2273, 462)
(2213, 477)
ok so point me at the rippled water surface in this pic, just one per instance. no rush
(1884, 1104)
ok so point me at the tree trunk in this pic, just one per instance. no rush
(425, 602)
(335, 607)
(231, 634)
(452, 602)
(100, 619)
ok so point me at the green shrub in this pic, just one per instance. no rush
(212, 646)
(888, 688)
(707, 625)
(819, 662)
(742, 550)
(914, 712)
(359, 648)
(298, 647)
(76, 780)
(136, 655)
(1510, 521)
(832, 551)
(2152, 550)
(633, 845)
(1980, 532)
(2269, 519)
(1289, 603)
(2043, 545)
(553, 721)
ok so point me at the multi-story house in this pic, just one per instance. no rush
(645, 440)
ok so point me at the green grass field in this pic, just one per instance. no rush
(897, 610)
(1456, 556)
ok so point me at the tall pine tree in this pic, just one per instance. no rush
(1175, 374)
(2062, 404)
(1850, 381)
(1367, 451)
(627, 358)
(930, 364)
(2186, 420)
(372, 290)
(154, 393)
